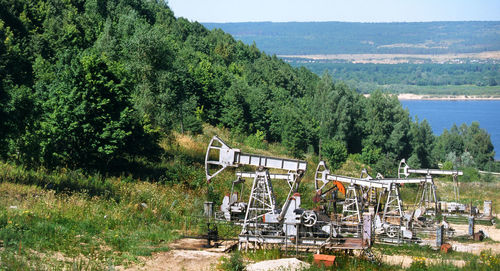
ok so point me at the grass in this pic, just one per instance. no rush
(71, 219)
(103, 230)
(350, 263)
(68, 219)
(472, 192)
(416, 250)
(65, 219)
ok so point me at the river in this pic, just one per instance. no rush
(442, 114)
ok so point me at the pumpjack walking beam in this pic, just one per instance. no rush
(393, 206)
(230, 157)
(404, 171)
(351, 209)
(261, 202)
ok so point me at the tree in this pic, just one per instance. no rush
(422, 140)
(339, 111)
(294, 133)
(235, 111)
(386, 125)
(87, 119)
(335, 152)
(478, 144)
(470, 142)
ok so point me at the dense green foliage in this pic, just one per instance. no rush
(335, 152)
(298, 38)
(94, 84)
(465, 146)
(374, 75)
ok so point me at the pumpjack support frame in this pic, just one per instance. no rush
(264, 223)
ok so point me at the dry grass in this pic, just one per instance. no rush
(475, 192)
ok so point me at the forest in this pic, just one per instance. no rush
(479, 75)
(95, 85)
(437, 79)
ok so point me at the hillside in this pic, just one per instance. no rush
(106, 108)
(314, 38)
(100, 95)
(440, 58)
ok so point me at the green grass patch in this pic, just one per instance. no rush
(147, 217)
(416, 250)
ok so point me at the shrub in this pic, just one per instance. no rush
(256, 140)
(470, 175)
(334, 152)
(370, 155)
(418, 264)
(234, 263)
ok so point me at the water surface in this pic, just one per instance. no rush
(442, 114)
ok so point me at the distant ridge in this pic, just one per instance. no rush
(300, 38)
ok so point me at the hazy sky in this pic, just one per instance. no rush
(336, 10)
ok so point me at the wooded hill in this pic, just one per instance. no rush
(404, 78)
(394, 57)
(95, 84)
(299, 38)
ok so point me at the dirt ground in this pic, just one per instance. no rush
(177, 260)
(189, 254)
(186, 254)
(291, 264)
(491, 231)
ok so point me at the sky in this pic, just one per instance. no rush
(336, 10)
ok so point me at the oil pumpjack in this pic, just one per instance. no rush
(263, 222)
(392, 224)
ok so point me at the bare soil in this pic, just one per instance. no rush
(177, 260)
(186, 254)
(400, 58)
(291, 264)
(411, 96)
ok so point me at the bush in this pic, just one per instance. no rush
(184, 173)
(234, 263)
(488, 177)
(256, 140)
(418, 264)
(386, 165)
(470, 175)
(370, 155)
(335, 152)
(448, 165)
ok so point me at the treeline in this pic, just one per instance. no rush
(298, 38)
(94, 84)
(410, 74)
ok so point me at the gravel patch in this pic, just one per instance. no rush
(291, 264)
